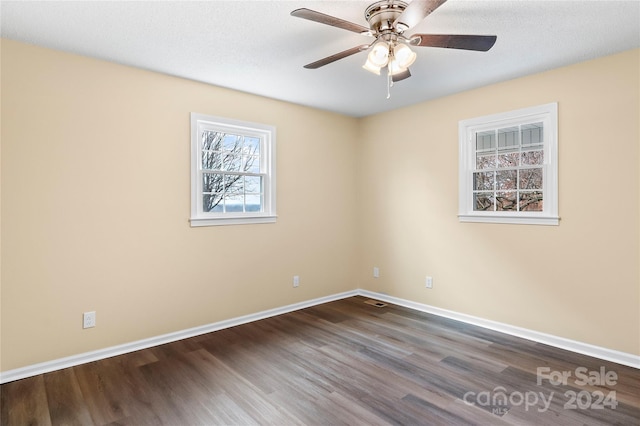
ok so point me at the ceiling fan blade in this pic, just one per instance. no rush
(337, 56)
(401, 75)
(415, 12)
(467, 42)
(312, 15)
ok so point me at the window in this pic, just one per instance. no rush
(509, 167)
(232, 172)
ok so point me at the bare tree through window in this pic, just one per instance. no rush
(231, 166)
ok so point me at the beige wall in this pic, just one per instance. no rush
(96, 201)
(95, 206)
(579, 280)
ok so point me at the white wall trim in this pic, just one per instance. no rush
(58, 364)
(559, 342)
(536, 336)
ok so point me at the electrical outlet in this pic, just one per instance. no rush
(376, 272)
(429, 282)
(89, 319)
(296, 280)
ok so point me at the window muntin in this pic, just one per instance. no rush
(233, 179)
(508, 167)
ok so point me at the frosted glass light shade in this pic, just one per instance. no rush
(379, 55)
(404, 55)
(371, 67)
(395, 68)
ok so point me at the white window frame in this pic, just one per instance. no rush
(467, 129)
(267, 136)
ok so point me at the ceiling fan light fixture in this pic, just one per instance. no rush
(371, 67)
(395, 67)
(379, 55)
(403, 55)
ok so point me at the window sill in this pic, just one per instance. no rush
(522, 220)
(238, 220)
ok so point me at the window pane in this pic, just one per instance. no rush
(483, 181)
(253, 184)
(233, 202)
(232, 143)
(531, 201)
(508, 139)
(531, 178)
(212, 203)
(506, 179)
(253, 203)
(211, 140)
(251, 146)
(506, 201)
(234, 185)
(483, 201)
(251, 164)
(212, 182)
(486, 141)
(532, 134)
(231, 163)
(532, 157)
(485, 162)
(211, 160)
(508, 160)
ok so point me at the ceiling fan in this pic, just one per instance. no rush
(388, 21)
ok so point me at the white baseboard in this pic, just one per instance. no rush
(548, 339)
(559, 342)
(58, 364)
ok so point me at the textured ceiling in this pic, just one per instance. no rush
(257, 47)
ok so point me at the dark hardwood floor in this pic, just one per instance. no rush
(344, 362)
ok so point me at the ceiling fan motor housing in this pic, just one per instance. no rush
(382, 14)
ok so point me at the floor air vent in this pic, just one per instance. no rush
(375, 303)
